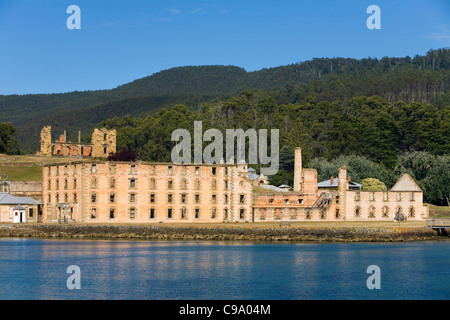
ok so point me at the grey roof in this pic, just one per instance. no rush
(253, 176)
(6, 198)
(284, 186)
(251, 170)
(273, 188)
(328, 184)
(19, 208)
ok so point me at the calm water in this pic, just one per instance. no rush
(36, 269)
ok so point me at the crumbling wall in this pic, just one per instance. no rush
(104, 143)
(46, 142)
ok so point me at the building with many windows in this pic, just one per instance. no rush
(114, 192)
(141, 192)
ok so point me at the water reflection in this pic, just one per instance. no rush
(36, 269)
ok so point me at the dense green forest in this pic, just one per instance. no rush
(379, 117)
(423, 79)
(379, 134)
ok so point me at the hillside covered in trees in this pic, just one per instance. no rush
(370, 131)
(379, 117)
(423, 79)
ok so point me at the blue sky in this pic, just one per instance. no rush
(121, 41)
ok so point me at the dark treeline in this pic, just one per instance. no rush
(8, 144)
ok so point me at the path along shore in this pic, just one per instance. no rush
(220, 232)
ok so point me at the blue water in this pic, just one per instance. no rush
(36, 269)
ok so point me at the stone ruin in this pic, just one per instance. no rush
(103, 144)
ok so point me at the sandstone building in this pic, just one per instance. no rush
(109, 192)
(344, 202)
(19, 209)
(141, 192)
(103, 144)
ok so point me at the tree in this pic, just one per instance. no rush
(372, 184)
(124, 155)
(437, 182)
(8, 144)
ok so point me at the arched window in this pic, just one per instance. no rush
(399, 215)
(412, 212)
(371, 212)
(357, 211)
(385, 212)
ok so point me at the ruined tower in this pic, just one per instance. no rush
(46, 142)
(103, 142)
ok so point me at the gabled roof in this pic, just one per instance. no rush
(7, 199)
(406, 183)
(253, 176)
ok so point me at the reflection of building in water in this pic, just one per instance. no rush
(118, 192)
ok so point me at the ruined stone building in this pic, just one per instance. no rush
(103, 144)
(141, 192)
(340, 200)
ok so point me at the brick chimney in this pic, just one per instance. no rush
(298, 170)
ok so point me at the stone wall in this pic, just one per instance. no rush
(46, 142)
(32, 189)
(218, 233)
(103, 142)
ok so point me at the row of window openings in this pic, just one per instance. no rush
(398, 196)
(133, 184)
(385, 212)
(358, 211)
(133, 198)
(132, 213)
(277, 214)
(133, 169)
(286, 201)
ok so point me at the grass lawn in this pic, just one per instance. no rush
(28, 167)
(33, 173)
(439, 212)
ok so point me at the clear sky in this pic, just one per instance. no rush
(121, 41)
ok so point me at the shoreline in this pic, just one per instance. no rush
(222, 233)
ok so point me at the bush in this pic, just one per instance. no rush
(372, 184)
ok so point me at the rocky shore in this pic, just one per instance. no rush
(232, 233)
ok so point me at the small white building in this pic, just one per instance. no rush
(19, 209)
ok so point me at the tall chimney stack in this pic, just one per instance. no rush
(342, 189)
(298, 170)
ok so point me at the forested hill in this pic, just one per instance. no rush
(424, 79)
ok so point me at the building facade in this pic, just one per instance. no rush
(110, 192)
(119, 192)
